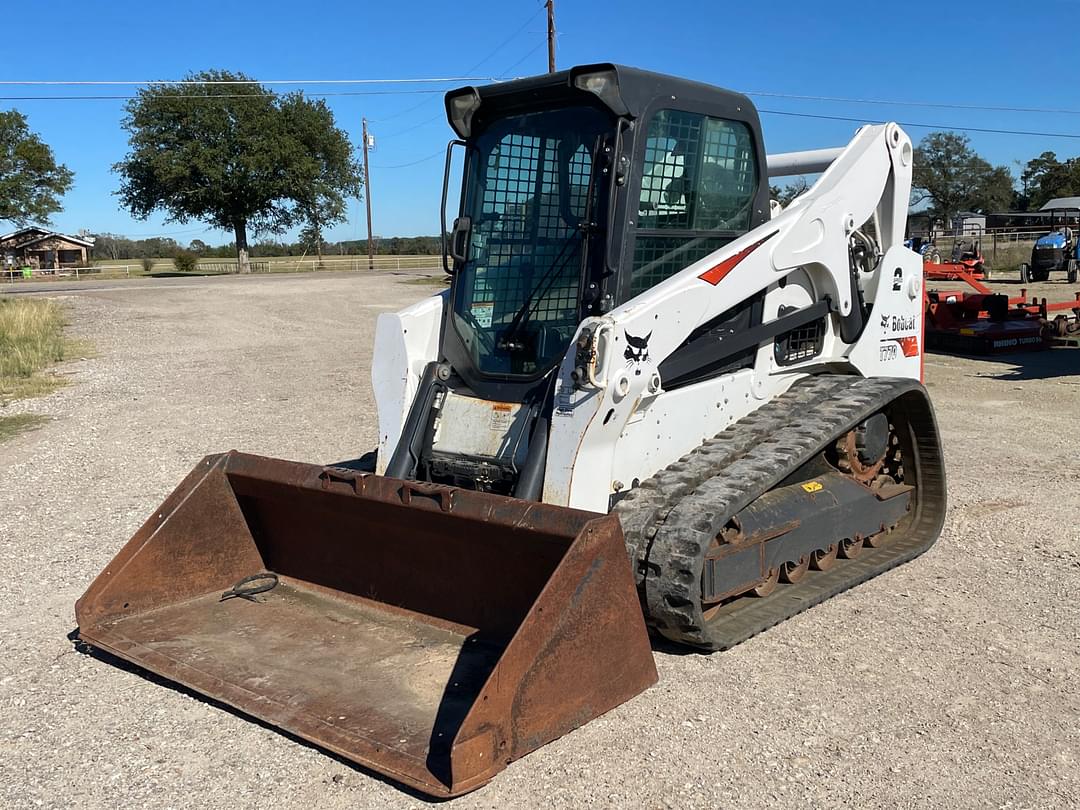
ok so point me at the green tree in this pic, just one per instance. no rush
(236, 156)
(325, 173)
(789, 192)
(113, 246)
(951, 176)
(1046, 177)
(31, 181)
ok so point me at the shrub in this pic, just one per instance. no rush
(185, 261)
(147, 264)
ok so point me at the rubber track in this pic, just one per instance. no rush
(646, 506)
(672, 518)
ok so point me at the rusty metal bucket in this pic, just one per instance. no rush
(429, 633)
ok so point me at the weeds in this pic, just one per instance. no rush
(31, 339)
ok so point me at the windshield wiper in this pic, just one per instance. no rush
(522, 316)
(582, 231)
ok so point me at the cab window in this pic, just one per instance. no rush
(698, 184)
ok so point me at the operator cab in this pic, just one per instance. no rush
(581, 190)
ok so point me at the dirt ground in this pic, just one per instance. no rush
(953, 681)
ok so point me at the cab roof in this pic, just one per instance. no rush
(625, 91)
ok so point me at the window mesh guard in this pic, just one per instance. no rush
(523, 239)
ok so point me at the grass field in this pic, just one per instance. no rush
(31, 339)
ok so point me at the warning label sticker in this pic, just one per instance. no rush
(483, 314)
(501, 414)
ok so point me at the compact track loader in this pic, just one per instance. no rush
(649, 401)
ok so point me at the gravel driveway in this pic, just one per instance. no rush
(950, 682)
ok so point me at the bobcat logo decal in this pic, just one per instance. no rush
(637, 348)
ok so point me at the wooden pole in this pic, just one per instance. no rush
(367, 200)
(550, 4)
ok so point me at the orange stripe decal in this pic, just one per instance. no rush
(714, 275)
(909, 345)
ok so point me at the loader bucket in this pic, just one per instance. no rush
(429, 633)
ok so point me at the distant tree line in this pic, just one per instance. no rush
(114, 247)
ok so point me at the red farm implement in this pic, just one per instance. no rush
(984, 322)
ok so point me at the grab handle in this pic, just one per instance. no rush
(443, 496)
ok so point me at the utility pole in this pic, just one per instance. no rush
(367, 199)
(550, 5)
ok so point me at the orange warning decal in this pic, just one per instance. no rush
(909, 345)
(714, 275)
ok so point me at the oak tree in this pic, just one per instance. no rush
(952, 177)
(236, 156)
(31, 181)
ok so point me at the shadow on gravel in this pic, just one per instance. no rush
(157, 680)
(1045, 365)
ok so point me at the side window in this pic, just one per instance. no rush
(697, 192)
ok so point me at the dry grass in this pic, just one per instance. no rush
(31, 339)
(12, 425)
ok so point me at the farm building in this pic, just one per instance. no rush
(42, 249)
(964, 222)
(967, 222)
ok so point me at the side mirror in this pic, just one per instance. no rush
(459, 239)
(446, 254)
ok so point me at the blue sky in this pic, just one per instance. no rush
(950, 53)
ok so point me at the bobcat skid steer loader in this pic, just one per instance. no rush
(649, 401)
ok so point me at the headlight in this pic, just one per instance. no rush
(604, 84)
(461, 106)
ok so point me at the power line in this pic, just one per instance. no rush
(162, 235)
(197, 82)
(925, 126)
(505, 42)
(767, 94)
(413, 162)
(215, 95)
(439, 116)
(501, 77)
(522, 59)
(492, 53)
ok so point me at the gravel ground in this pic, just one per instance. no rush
(950, 682)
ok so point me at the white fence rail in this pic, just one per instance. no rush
(276, 264)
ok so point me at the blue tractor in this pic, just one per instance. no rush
(1054, 251)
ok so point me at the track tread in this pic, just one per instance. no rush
(671, 519)
(650, 503)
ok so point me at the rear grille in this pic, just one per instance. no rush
(802, 343)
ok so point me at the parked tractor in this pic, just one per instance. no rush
(1055, 251)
